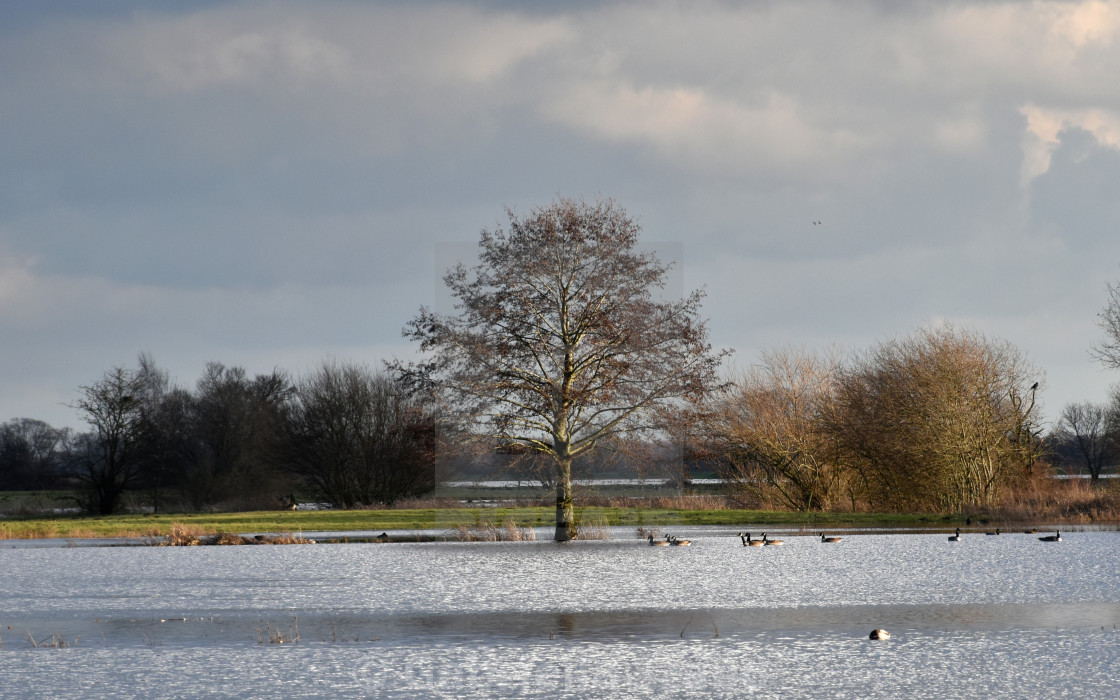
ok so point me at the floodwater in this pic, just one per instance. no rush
(990, 616)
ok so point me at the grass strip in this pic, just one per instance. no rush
(434, 519)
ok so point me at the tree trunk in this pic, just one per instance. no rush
(565, 513)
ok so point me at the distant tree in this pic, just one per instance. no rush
(1108, 349)
(358, 439)
(238, 424)
(930, 421)
(107, 460)
(558, 342)
(770, 431)
(1084, 428)
(165, 432)
(30, 454)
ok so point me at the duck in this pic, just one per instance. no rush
(879, 634)
(769, 542)
(993, 533)
(748, 542)
(1056, 537)
(830, 539)
(678, 542)
(956, 537)
(657, 543)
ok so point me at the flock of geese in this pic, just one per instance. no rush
(674, 541)
(1056, 537)
(670, 540)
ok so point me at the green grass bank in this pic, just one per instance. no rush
(438, 519)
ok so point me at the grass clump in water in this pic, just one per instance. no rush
(487, 531)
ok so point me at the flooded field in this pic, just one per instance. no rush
(995, 616)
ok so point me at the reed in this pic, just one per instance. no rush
(184, 536)
(487, 531)
(594, 527)
(275, 635)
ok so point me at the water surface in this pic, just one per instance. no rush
(991, 616)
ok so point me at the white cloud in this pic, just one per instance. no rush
(1044, 126)
(1086, 23)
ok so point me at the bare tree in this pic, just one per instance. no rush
(558, 342)
(165, 432)
(30, 453)
(769, 430)
(1108, 349)
(108, 460)
(1084, 427)
(238, 422)
(358, 438)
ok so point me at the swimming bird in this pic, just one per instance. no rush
(993, 533)
(657, 543)
(748, 542)
(879, 634)
(1056, 537)
(769, 542)
(956, 537)
(678, 542)
(830, 539)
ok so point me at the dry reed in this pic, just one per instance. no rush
(595, 527)
(487, 531)
(274, 635)
(190, 536)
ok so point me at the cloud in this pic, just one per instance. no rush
(264, 182)
(374, 49)
(695, 129)
(1044, 127)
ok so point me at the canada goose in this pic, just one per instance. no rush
(748, 542)
(993, 533)
(657, 543)
(830, 539)
(879, 634)
(1056, 537)
(678, 542)
(956, 537)
(769, 542)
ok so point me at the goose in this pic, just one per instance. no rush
(956, 537)
(993, 533)
(879, 634)
(678, 542)
(748, 542)
(657, 543)
(830, 539)
(1056, 537)
(769, 542)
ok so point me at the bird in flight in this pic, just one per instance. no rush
(816, 223)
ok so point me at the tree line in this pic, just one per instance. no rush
(344, 433)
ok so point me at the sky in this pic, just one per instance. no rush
(272, 184)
